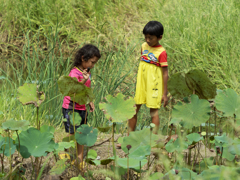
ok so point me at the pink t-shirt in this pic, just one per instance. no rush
(67, 103)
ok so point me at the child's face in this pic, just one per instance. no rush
(152, 40)
(90, 63)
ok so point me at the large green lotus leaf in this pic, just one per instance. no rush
(133, 163)
(222, 141)
(138, 138)
(69, 86)
(28, 94)
(140, 153)
(177, 86)
(2, 142)
(198, 81)
(77, 118)
(177, 145)
(65, 145)
(77, 178)
(228, 102)
(192, 114)
(118, 109)
(15, 125)
(227, 154)
(34, 143)
(194, 137)
(234, 149)
(59, 167)
(46, 128)
(88, 135)
(7, 147)
(51, 146)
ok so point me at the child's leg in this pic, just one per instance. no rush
(133, 121)
(155, 119)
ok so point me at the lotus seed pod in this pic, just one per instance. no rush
(129, 147)
(152, 125)
(203, 133)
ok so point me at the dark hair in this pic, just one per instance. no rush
(153, 28)
(87, 51)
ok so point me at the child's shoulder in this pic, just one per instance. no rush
(75, 72)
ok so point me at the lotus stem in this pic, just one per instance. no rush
(189, 156)
(32, 166)
(215, 119)
(128, 164)
(140, 169)
(114, 152)
(2, 162)
(38, 122)
(18, 141)
(234, 130)
(10, 155)
(194, 157)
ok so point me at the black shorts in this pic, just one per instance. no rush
(68, 124)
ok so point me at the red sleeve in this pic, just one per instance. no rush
(163, 59)
(75, 73)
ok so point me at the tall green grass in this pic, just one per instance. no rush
(40, 38)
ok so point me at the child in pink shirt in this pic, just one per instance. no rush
(85, 59)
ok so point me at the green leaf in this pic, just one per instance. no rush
(118, 109)
(177, 86)
(198, 82)
(77, 178)
(28, 94)
(104, 129)
(133, 163)
(15, 125)
(92, 154)
(65, 145)
(35, 143)
(77, 118)
(194, 137)
(59, 167)
(139, 138)
(228, 102)
(88, 135)
(2, 142)
(234, 149)
(140, 152)
(227, 154)
(156, 176)
(46, 128)
(7, 147)
(178, 145)
(192, 114)
(69, 86)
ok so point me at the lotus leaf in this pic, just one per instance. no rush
(68, 138)
(28, 94)
(92, 154)
(198, 82)
(35, 143)
(177, 145)
(235, 149)
(192, 114)
(65, 145)
(88, 135)
(138, 138)
(194, 137)
(46, 128)
(227, 154)
(177, 86)
(120, 170)
(222, 140)
(98, 162)
(228, 102)
(140, 152)
(77, 118)
(59, 167)
(7, 147)
(133, 163)
(104, 129)
(118, 109)
(156, 176)
(78, 178)
(69, 86)
(15, 125)
(2, 142)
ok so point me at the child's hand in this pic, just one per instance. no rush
(92, 107)
(85, 74)
(165, 100)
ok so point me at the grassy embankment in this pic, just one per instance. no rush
(38, 40)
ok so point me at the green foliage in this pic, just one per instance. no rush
(156, 176)
(88, 135)
(77, 178)
(177, 86)
(198, 82)
(133, 163)
(194, 137)
(69, 86)
(28, 94)
(178, 145)
(104, 129)
(137, 139)
(140, 152)
(45, 128)
(59, 167)
(117, 109)
(228, 101)
(192, 114)
(77, 118)
(8, 146)
(65, 145)
(35, 143)
(92, 154)
(15, 125)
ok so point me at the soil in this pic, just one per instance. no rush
(104, 150)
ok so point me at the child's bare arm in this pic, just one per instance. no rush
(165, 91)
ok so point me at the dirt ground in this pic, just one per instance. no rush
(104, 151)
